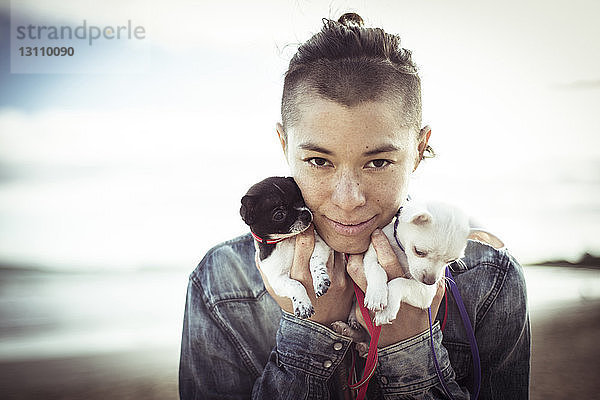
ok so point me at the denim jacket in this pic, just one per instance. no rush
(238, 344)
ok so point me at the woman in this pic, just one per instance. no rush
(351, 133)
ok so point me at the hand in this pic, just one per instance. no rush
(410, 320)
(336, 304)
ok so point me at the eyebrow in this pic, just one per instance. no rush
(386, 148)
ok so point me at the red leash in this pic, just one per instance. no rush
(445, 309)
(371, 363)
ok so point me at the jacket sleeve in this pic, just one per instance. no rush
(406, 369)
(301, 365)
(504, 337)
(209, 366)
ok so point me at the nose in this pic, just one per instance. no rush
(429, 279)
(348, 192)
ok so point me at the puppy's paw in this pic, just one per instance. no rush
(424, 297)
(362, 348)
(353, 321)
(341, 328)
(385, 316)
(318, 271)
(357, 335)
(321, 283)
(302, 309)
(376, 298)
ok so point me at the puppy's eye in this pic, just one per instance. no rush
(279, 215)
(419, 253)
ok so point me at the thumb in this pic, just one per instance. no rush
(356, 271)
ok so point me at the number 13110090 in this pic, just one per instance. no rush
(46, 51)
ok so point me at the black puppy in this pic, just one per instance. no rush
(275, 211)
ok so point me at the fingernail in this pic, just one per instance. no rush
(377, 232)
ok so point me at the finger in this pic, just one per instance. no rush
(305, 243)
(356, 271)
(441, 289)
(439, 295)
(359, 316)
(385, 254)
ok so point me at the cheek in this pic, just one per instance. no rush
(391, 189)
(313, 189)
(313, 197)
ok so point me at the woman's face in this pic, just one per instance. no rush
(352, 166)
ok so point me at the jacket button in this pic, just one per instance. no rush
(384, 380)
(338, 346)
(327, 364)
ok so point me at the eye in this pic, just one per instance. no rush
(279, 215)
(318, 162)
(380, 163)
(419, 253)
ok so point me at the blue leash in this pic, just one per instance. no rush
(472, 341)
(466, 323)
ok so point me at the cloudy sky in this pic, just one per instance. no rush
(138, 154)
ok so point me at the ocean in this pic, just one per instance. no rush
(46, 315)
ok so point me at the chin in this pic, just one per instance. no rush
(343, 244)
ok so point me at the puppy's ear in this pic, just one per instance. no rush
(247, 209)
(422, 218)
(295, 186)
(293, 183)
(416, 214)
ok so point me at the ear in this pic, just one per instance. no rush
(293, 182)
(423, 140)
(247, 209)
(296, 188)
(415, 214)
(282, 138)
(421, 219)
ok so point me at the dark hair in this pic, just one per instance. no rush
(348, 63)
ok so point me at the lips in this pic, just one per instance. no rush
(351, 229)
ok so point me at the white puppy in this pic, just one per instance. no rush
(432, 235)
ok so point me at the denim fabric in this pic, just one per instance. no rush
(238, 344)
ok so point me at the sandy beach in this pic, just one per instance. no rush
(565, 360)
(147, 375)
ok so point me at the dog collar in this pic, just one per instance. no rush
(265, 241)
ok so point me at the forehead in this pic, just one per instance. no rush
(367, 124)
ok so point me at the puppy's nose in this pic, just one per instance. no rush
(429, 279)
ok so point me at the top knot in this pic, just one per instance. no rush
(350, 19)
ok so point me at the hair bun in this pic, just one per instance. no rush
(350, 19)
